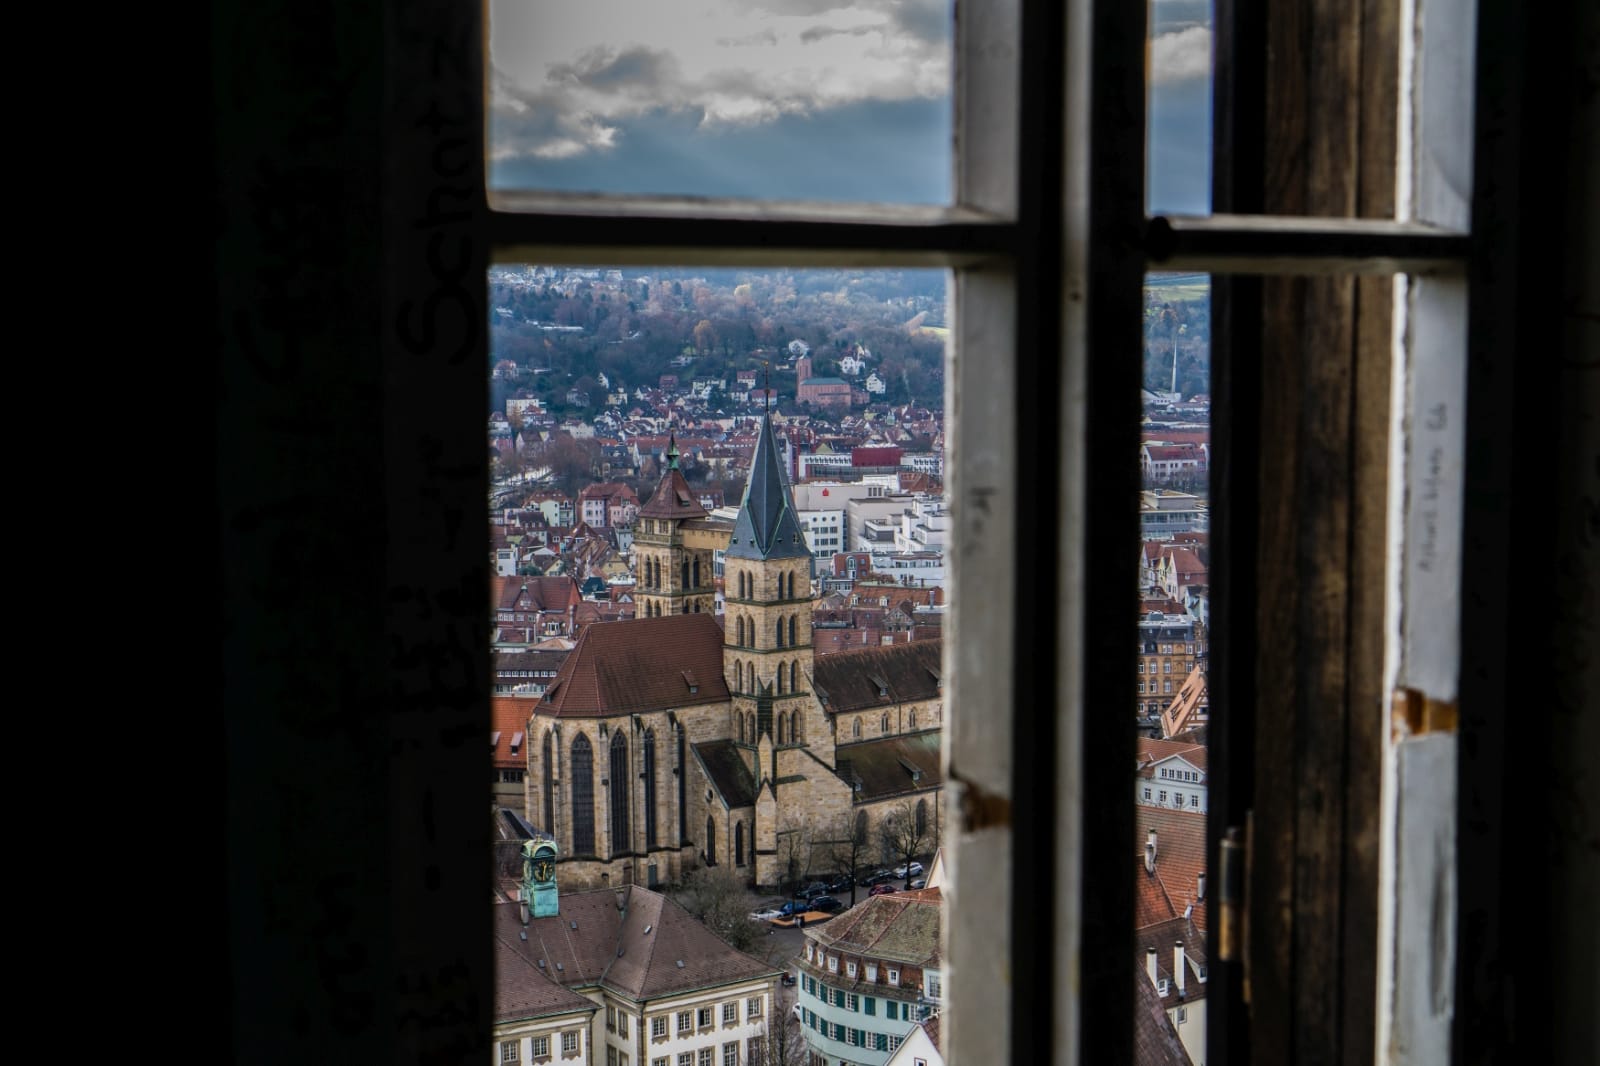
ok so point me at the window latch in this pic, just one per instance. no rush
(1233, 927)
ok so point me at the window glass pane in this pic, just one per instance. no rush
(1178, 178)
(772, 99)
(719, 534)
(1171, 900)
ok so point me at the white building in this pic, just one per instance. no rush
(624, 977)
(824, 532)
(869, 976)
(1170, 773)
(924, 526)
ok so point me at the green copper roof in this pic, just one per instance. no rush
(767, 527)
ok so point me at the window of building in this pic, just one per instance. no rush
(509, 1049)
(541, 1046)
(730, 1054)
(685, 1058)
(685, 1021)
(850, 968)
(852, 1002)
(707, 1055)
(833, 964)
(752, 1051)
(894, 976)
(730, 1012)
(752, 1007)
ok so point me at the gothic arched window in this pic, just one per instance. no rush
(741, 727)
(792, 624)
(883, 724)
(618, 795)
(738, 844)
(855, 729)
(922, 817)
(685, 569)
(794, 727)
(649, 788)
(780, 729)
(711, 842)
(696, 572)
(778, 631)
(548, 757)
(913, 719)
(740, 629)
(794, 676)
(582, 796)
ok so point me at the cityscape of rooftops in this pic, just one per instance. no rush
(720, 535)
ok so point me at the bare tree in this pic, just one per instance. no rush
(847, 841)
(795, 852)
(782, 1042)
(718, 897)
(904, 834)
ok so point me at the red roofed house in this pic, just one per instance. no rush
(1170, 773)
(623, 975)
(1170, 907)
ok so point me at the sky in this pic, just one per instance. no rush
(779, 99)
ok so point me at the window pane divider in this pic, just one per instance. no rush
(1273, 244)
(677, 230)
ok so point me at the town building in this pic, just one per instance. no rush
(626, 970)
(1170, 773)
(869, 977)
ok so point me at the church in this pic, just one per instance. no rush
(675, 739)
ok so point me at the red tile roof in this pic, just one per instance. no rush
(628, 940)
(644, 664)
(1180, 859)
(510, 718)
(878, 677)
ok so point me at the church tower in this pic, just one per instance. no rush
(767, 624)
(674, 576)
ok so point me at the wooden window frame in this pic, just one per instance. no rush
(1061, 252)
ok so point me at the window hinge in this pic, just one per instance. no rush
(1233, 928)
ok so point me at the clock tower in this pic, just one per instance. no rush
(539, 896)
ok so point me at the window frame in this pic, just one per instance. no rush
(433, 242)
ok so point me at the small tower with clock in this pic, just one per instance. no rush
(539, 894)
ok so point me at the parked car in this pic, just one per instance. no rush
(881, 890)
(792, 908)
(903, 871)
(878, 877)
(815, 888)
(920, 882)
(840, 883)
(766, 915)
(827, 904)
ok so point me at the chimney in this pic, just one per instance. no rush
(1200, 893)
(1150, 964)
(1177, 963)
(1149, 858)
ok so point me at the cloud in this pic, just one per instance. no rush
(572, 78)
(1181, 56)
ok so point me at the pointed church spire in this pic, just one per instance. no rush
(672, 450)
(768, 526)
